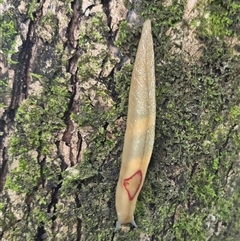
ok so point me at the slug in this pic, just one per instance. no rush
(140, 130)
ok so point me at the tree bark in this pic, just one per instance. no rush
(65, 75)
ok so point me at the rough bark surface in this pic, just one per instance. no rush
(65, 69)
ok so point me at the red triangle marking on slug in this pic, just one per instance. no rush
(132, 184)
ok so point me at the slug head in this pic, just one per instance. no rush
(124, 206)
(118, 225)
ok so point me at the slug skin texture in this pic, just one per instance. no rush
(139, 135)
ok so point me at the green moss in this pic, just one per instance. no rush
(166, 16)
(195, 141)
(219, 19)
(195, 144)
(123, 33)
(235, 114)
(32, 9)
(94, 32)
(206, 184)
(8, 33)
(190, 227)
(4, 92)
(38, 121)
(36, 76)
(192, 174)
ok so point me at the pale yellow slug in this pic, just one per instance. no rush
(140, 131)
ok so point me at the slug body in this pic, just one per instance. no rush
(139, 135)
